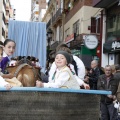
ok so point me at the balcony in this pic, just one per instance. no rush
(59, 14)
(14, 11)
(36, 19)
(69, 13)
(6, 31)
(49, 23)
(3, 25)
(57, 17)
(6, 19)
(36, 8)
(54, 45)
(53, 18)
(7, 6)
(103, 3)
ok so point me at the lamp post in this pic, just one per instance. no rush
(49, 37)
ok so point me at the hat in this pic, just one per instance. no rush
(67, 56)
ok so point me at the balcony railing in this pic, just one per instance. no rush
(54, 45)
(58, 15)
(6, 19)
(7, 6)
(49, 23)
(53, 18)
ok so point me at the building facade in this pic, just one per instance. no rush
(82, 24)
(35, 10)
(6, 12)
(111, 31)
(76, 23)
(38, 9)
(54, 19)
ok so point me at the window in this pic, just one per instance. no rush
(76, 27)
(95, 25)
(67, 32)
(113, 26)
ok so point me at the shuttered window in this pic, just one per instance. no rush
(95, 25)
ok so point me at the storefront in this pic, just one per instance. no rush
(83, 46)
(112, 47)
(111, 37)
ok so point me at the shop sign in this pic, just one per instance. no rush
(69, 38)
(115, 45)
(91, 41)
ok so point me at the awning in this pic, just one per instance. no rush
(104, 3)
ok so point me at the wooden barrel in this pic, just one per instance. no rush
(29, 103)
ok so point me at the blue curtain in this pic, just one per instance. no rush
(30, 38)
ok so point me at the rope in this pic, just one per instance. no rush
(19, 68)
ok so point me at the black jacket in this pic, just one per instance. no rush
(112, 86)
(93, 78)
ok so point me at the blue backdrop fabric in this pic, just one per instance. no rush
(30, 38)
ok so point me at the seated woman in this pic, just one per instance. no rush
(3, 83)
(62, 77)
(6, 51)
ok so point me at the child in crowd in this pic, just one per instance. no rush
(76, 65)
(62, 77)
(3, 83)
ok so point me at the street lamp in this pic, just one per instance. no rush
(49, 34)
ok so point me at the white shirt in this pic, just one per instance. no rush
(80, 68)
(9, 57)
(4, 54)
(3, 82)
(63, 78)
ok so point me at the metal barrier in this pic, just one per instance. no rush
(31, 103)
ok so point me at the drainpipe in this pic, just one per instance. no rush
(101, 29)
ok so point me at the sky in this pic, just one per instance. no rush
(23, 9)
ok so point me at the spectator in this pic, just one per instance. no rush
(117, 77)
(94, 73)
(3, 83)
(108, 82)
(86, 78)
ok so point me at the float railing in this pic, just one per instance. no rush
(32, 103)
